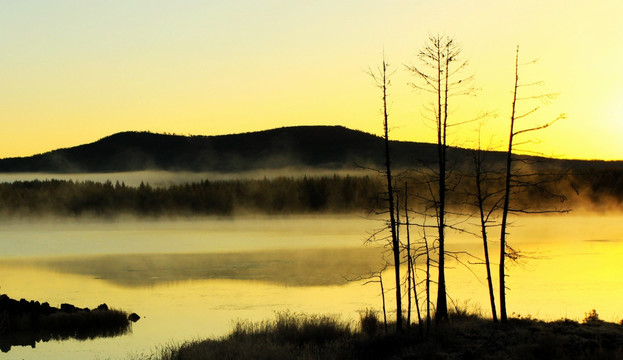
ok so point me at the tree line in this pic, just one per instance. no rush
(282, 195)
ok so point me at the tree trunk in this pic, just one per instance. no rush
(441, 313)
(390, 194)
(483, 226)
(507, 186)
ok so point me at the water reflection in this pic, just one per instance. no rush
(32, 338)
(311, 267)
(174, 312)
(248, 269)
(24, 323)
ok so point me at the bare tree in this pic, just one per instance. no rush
(375, 277)
(487, 205)
(381, 78)
(510, 178)
(411, 290)
(438, 76)
(427, 279)
(378, 277)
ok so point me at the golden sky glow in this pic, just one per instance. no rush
(74, 71)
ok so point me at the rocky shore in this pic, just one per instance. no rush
(24, 322)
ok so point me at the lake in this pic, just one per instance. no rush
(190, 279)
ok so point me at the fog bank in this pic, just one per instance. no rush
(162, 178)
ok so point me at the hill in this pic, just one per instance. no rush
(327, 147)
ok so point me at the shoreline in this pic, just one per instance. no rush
(465, 336)
(26, 323)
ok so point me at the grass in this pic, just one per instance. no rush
(288, 336)
(468, 335)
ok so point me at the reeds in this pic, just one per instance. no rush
(467, 335)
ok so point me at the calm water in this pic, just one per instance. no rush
(192, 279)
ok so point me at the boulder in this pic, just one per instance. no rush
(68, 308)
(133, 317)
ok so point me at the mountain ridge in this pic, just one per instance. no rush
(328, 147)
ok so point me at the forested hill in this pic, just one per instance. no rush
(328, 147)
(302, 146)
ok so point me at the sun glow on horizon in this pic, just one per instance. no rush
(74, 72)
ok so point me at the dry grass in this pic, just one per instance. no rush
(467, 336)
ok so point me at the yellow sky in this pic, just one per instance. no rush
(74, 71)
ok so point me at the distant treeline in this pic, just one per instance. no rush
(282, 195)
(270, 196)
(601, 188)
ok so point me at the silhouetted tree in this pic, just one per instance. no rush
(381, 78)
(411, 283)
(487, 201)
(437, 74)
(510, 178)
(378, 277)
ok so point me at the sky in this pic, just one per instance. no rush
(75, 71)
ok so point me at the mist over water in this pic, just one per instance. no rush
(191, 278)
(294, 267)
(162, 178)
(186, 278)
(85, 237)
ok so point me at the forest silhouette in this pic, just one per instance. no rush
(598, 189)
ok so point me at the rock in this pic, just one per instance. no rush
(46, 309)
(24, 322)
(68, 308)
